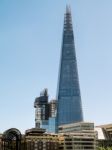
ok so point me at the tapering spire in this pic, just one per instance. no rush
(68, 19)
(69, 107)
(68, 9)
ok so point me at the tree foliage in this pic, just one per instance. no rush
(102, 148)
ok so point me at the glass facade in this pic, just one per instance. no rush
(52, 124)
(45, 112)
(68, 95)
(41, 110)
(45, 125)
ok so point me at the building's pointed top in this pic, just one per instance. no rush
(68, 9)
(68, 19)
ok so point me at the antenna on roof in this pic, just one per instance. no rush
(68, 9)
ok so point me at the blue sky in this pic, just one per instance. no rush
(30, 44)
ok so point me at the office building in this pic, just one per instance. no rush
(77, 141)
(52, 108)
(45, 112)
(80, 136)
(104, 135)
(42, 110)
(77, 127)
(52, 116)
(37, 139)
(69, 107)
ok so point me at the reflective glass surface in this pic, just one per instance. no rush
(52, 124)
(68, 95)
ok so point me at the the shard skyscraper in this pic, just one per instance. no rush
(68, 93)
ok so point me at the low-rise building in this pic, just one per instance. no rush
(104, 135)
(76, 127)
(37, 139)
(77, 136)
(78, 141)
(0, 141)
(80, 136)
